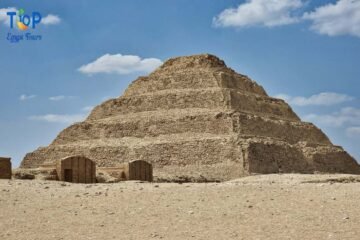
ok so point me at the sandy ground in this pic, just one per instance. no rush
(258, 207)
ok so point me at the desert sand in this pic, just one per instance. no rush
(289, 206)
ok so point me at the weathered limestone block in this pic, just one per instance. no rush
(268, 156)
(178, 81)
(177, 149)
(157, 123)
(329, 159)
(288, 131)
(187, 79)
(235, 81)
(211, 98)
(262, 106)
(204, 98)
(152, 124)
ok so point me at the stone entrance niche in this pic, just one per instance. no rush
(76, 169)
(140, 170)
(5, 168)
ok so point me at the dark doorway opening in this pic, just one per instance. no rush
(68, 175)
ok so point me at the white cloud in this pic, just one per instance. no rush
(267, 13)
(332, 19)
(25, 97)
(59, 118)
(57, 98)
(63, 118)
(346, 116)
(120, 64)
(340, 18)
(4, 17)
(321, 99)
(353, 132)
(50, 20)
(60, 97)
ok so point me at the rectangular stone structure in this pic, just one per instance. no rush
(140, 170)
(76, 169)
(5, 168)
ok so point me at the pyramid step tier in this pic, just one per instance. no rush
(251, 155)
(211, 98)
(187, 79)
(191, 121)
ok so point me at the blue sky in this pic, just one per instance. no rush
(304, 51)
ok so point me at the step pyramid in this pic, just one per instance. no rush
(195, 117)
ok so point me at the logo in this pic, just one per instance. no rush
(23, 22)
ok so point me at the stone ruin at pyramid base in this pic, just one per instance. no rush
(5, 168)
(194, 118)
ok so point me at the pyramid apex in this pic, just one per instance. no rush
(205, 60)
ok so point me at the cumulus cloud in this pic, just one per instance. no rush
(60, 97)
(321, 99)
(4, 17)
(50, 20)
(59, 118)
(333, 19)
(346, 116)
(267, 13)
(120, 64)
(25, 97)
